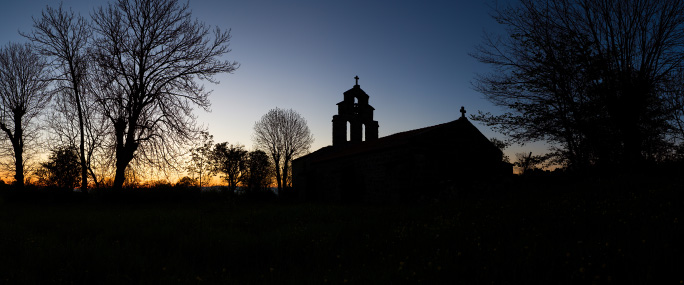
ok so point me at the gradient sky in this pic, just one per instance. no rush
(412, 60)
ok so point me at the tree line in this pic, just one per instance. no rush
(599, 81)
(116, 94)
(280, 136)
(251, 169)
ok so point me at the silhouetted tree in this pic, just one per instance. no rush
(675, 101)
(586, 76)
(501, 145)
(24, 82)
(186, 182)
(63, 167)
(527, 162)
(64, 130)
(231, 161)
(201, 159)
(148, 56)
(63, 37)
(284, 135)
(258, 171)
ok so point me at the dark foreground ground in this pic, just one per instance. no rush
(616, 233)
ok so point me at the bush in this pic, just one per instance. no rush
(62, 170)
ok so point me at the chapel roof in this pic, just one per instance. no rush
(462, 128)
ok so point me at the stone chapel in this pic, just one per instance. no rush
(361, 166)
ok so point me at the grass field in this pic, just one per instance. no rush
(598, 235)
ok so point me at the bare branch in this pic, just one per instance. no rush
(149, 55)
(284, 135)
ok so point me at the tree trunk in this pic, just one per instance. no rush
(199, 181)
(18, 145)
(232, 181)
(119, 177)
(123, 158)
(124, 152)
(84, 165)
(277, 173)
(92, 175)
(285, 170)
(18, 163)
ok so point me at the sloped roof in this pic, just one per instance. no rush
(356, 90)
(465, 130)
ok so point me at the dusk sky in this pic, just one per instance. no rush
(411, 58)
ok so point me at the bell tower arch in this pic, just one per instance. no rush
(356, 111)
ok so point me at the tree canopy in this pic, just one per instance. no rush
(284, 135)
(24, 94)
(63, 37)
(231, 160)
(149, 56)
(259, 171)
(590, 77)
(62, 168)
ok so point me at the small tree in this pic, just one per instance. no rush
(200, 159)
(285, 136)
(186, 182)
(63, 168)
(258, 176)
(231, 161)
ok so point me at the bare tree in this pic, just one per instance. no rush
(284, 135)
(24, 82)
(586, 76)
(63, 37)
(149, 55)
(65, 131)
(675, 101)
(201, 159)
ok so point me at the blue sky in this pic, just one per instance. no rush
(411, 57)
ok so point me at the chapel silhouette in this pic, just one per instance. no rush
(425, 162)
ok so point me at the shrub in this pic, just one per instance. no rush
(62, 169)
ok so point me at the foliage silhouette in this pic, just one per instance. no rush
(62, 168)
(501, 145)
(186, 182)
(259, 171)
(589, 77)
(529, 162)
(231, 160)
